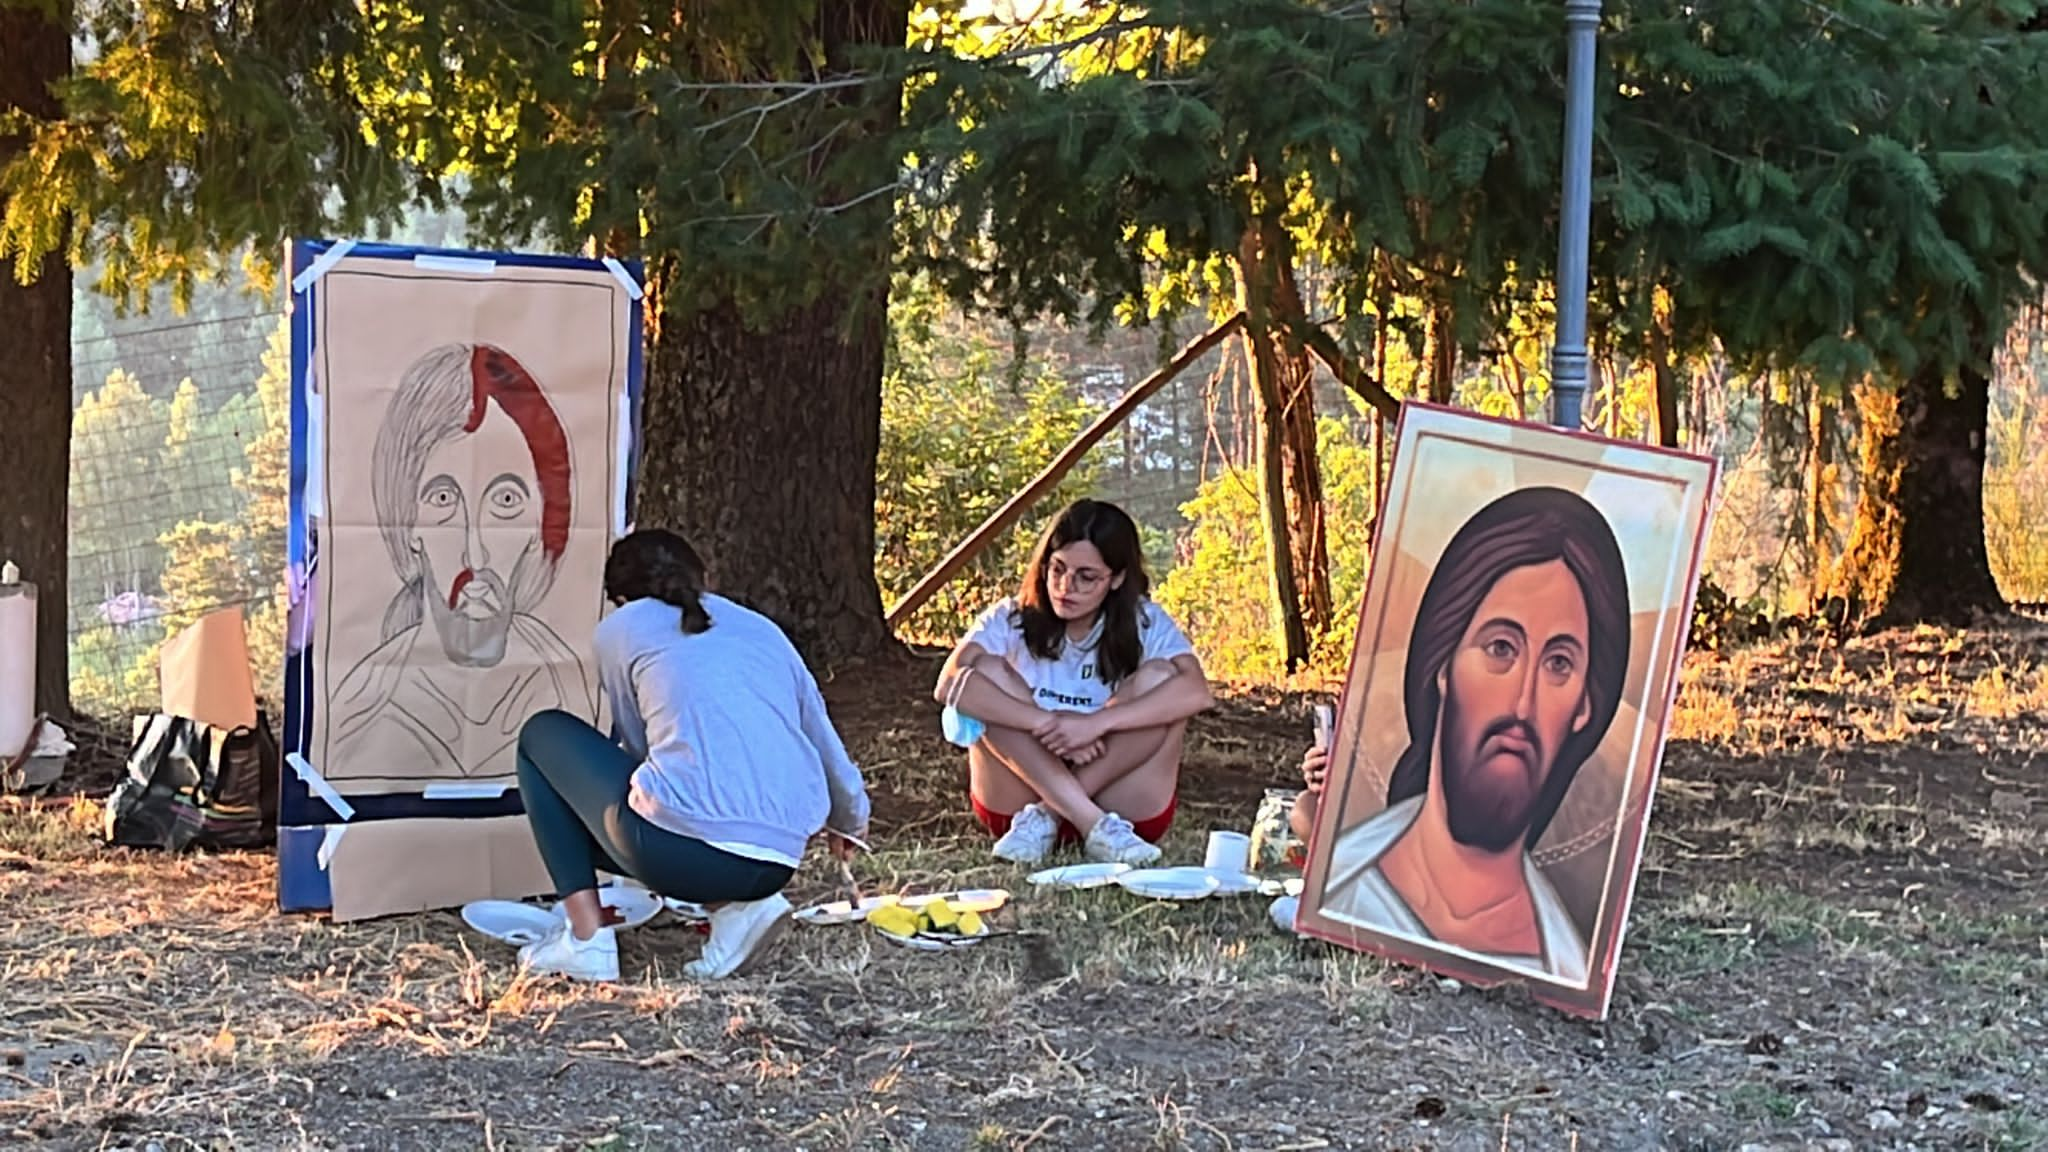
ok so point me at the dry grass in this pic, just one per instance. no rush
(1838, 942)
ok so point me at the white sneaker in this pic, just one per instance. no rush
(560, 953)
(741, 934)
(1114, 841)
(1033, 832)
(1283, 911)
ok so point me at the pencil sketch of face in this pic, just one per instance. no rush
(472, 483)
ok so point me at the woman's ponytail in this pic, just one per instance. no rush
(657, 564)
(690, 599)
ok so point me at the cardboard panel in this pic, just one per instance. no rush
(389, 867)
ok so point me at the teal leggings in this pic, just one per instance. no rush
(574, 780)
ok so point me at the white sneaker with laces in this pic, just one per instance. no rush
(1114, 841)
(560, 953)
(741, 934)
(1033, 832)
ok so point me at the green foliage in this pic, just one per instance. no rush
(193, 133)
(1811, 184)
(117, 485)
(963, 429)
(1218, 589)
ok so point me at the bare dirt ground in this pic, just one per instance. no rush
(1839, 942)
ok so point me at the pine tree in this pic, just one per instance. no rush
(35, 374)
(1852, 190)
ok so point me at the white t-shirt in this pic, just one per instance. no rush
(1068, 683)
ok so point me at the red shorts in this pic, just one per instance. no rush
(1149, 830)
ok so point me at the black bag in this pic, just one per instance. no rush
(193, 786)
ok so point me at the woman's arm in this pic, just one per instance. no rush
(962, 685)
(850, 805)
(1178, 697)
(615, 679)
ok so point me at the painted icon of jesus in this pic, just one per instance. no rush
(1514, 672)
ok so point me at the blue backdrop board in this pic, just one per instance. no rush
(463, 447)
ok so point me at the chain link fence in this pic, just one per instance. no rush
(179, 430)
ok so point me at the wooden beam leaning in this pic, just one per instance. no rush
(1014, 508)
(1352, 376)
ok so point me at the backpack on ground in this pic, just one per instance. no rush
(190, 785)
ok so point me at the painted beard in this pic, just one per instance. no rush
(474, 616)
(1491, 786)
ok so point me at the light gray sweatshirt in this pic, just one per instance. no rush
(734, 744)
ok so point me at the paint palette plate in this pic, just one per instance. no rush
(843, 911)
(636, 906)
(509, 920)
(846, 912)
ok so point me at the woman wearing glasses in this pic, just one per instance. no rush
(1072, 696)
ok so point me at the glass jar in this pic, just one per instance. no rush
(1275, 847)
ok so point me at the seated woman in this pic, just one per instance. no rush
(726, 764)
(1072, 698)
(1301, 818)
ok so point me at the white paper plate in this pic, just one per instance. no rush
(1234, 884)
(1079, 875)
(1170, 883)
(636, 905)
(509, 920)
(1291, 886)
(967, 900)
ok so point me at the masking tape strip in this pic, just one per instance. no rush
(464, 790)
(321, 266)
(316, 453)
(327, 845)
(623, 466)
(469, 265)
(319, 786)
(633, 288)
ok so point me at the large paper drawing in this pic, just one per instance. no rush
(462, 452)
(1502, 723)
(469, 450)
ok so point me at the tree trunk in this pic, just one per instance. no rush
(35, 375)
(1282, 377)
(1443, 355)
(760, 446)
(761, 428)
(1819, 490)
(1667, 388)
(1917, 552)
(1296, 382)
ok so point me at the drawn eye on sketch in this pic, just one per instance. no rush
(471, 480)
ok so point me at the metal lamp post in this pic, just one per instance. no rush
(1568, 357)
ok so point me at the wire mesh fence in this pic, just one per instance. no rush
(177, 458)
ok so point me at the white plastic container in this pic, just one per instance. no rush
(17, 661)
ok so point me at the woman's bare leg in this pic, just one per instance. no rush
(1035, 776)
(1144, 791)
(1126, 751)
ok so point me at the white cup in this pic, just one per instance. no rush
(1230, 853)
